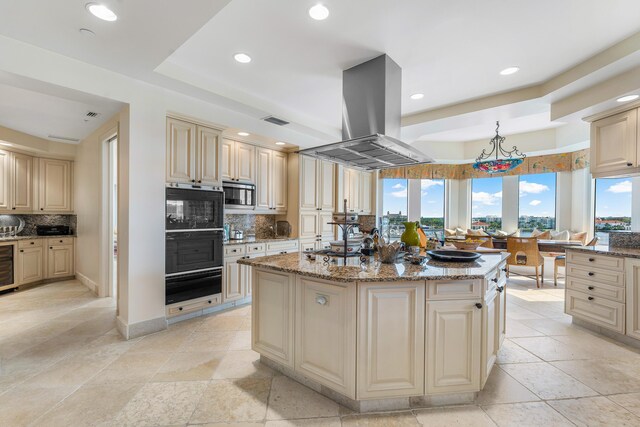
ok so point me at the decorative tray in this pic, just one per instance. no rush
(329, 252)
(453, 256)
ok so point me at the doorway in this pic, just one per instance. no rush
(112, 145)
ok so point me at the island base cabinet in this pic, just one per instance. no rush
(632, 267)
(502, 314)
(490, 337)
(326, 333)
(453, 346)
(272, 312)
(390, 360)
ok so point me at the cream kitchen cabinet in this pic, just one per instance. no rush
(30, 261)
(490, 339)
(326, 354)
(238, 161)
(632, 278)
(271, 187)
(16, 182)
(317, 184)
(193, 153)
(272, 329)
(358, 190)
(60, 257)
(316, 225)
(233, 287)
(54, 185)
(615, 145)
(390, 351)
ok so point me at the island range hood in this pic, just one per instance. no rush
(371, 94)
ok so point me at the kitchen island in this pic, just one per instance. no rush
(380, 336)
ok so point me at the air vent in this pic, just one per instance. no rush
(275, 121)
(92, 114)
(63, 138)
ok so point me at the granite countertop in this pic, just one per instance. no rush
(378, 272)
(254, 240)
(609, 250)
(15, 238)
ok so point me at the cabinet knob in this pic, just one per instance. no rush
(591, 273)
(494, 280)
(13, 208)
(50, 247)
(590, 298)
(478, 305)
(209, 301)
(504, 269)
(41, 209)
(180, 308)
(193, 180)
(21, 250)
(199, 181)
(32, 243)
(591, 259)
(60, 241)
(321, 299)
(500, 288)
(629, 164)
(590, 288)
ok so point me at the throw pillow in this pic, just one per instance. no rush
(449, 232)
(581, 236)
(471, 232)
(560, 235)
(541, 235)
(460, 232)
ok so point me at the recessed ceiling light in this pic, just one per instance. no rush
(628, 98)
(101, 11)
(417, 96)
(509, 70)
(319, 12)
(242, 58)
(6, 144)
(86, 32)
(280, 143)
(243, 134)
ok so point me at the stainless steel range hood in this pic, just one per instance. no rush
(371, 95)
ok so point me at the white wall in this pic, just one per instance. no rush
(510, 202)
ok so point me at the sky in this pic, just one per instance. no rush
(613, 197)
(486, 197)
(395, 196)
(431, 197)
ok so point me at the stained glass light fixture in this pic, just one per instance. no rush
(504, 160)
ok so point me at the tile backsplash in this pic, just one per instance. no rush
(261, 225)
(31, 221)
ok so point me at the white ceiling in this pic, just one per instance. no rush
(42, 110)
(450, 51)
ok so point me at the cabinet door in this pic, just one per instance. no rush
(327, 187)
(326, 333)
(490, 322)
(502, 314)
(308, 225)
(453, 346)
(632, 267)
(245, 162)
(390, 340)
(279, 173)
(233, 286)
(614, 143)
(308, 245)
(181, 147)
(55, 185)
(60, 261)
(264, 185)
(352, 189)
(228, 160)
(30, 265)
(5, 180)
(308, 183)
(327, 231)
(272, 328)
(366, 184)
(208, 157)
(21, 183)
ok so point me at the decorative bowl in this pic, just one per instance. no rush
(352, 246)
(453, 256)
(465, 246)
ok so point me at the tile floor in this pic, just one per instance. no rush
(64, 364)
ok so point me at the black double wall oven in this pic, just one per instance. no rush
(194, 235)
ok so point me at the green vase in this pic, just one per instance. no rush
(410, 236)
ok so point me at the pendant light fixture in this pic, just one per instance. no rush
(486, 163)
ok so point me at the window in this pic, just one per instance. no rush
(612, 207)
(486, 204)
(394, 200)
(537, 203)
(432, 204)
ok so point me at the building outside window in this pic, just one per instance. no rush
(486, 204)
(432, 205)
(537, 203)
(612, 207)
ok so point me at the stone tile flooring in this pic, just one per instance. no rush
(62, 363)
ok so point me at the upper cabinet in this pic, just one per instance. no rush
(358, 190)
(193, 153)
(238, 161)
(22, 182)
(271, 188)
(54, 185)
(317, 184)
(615, 145)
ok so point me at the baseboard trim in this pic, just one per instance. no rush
(93, 286)
(135, 330)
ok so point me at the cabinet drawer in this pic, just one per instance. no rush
(614, 293)
(24, 244)
(234, 250)
(596, 275)
(253, 248)
(282, 251)
(600, 311)
(592, 260)
(193, 305)
(459, 289)
(491, 281)
(56, 241)
(286, 245)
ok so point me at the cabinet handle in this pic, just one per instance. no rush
(500, 288)
(590, 288)
(50, 247)
(494, 280)
(21, 250)
(321, 299)
(13, 208)
(591, 259)
(478, 305)
(590, 298)
(504, 269)
(591, 273)
(629, 164)
(60, 241)
(32, 243)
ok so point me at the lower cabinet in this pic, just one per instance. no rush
(60, 258)
(502, 313)
(490, 338)
(632, 269)
(40, 259)
(453, 346)
(326, 333)
(272, 328)
(390, 353)
(30, 263)
(233, 287)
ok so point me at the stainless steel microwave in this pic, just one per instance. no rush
(239, 195)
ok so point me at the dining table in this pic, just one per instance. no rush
(499, 245)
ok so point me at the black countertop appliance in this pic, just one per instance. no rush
(53, 230)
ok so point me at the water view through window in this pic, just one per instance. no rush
(432, 205)
(537, 203)
(612, 207)
(486, 204)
